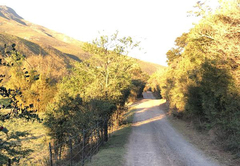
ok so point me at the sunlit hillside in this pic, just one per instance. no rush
(32, 39)
(149, 67)
(13, 24)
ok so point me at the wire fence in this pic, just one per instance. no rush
(80, 148)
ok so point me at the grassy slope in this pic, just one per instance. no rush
(149, 67)
(38, 40)
(42, 36)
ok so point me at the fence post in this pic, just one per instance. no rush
(91, 145)
(105, 126)
(112, 127)
(102, 134)
(70, 142)
(83, 157)
(109, 127)
(9, 162)
(98, 137)
(50, 154)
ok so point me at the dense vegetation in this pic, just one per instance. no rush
(15, 101)
(92, 92)
(96, 87)
(53, 86)
(202, 82)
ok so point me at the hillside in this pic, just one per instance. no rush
(36, 40)
(149, 67)
(12, 23)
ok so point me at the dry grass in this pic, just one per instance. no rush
(42, 37)
(149, 67)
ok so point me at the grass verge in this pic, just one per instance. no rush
(113, 152)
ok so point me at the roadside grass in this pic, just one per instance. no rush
(112, 152)
(31, 135)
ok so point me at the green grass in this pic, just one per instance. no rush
(4, 101)
(35, 141)
(112, 153)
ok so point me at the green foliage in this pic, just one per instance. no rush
(110, 68)
(107, 74)
(26, 142)
(13, 60)
(154, 83)
(66, 117)
(10, 148)
(95, 88)
(174, 53)
(113, 152)
(32, 88)
(12, 98)
(202, 80)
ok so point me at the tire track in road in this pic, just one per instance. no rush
(154, 142)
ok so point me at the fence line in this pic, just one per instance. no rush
(72, 152)
(79, 148)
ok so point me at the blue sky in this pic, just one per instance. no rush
(155, 23)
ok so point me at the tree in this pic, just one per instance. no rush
(174, 53)
(15, 101)
(65, 117)
(111, 69)
(111, 65)
(205, 86)
(104, 79)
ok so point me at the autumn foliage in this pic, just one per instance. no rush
(202, 81)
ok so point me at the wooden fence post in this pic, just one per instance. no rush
(9, 162)
(91, 145)
(98, 137)
(71, 154)
(83, 149)
(102, 135)
(50, 154)
(112, 127)
(105, 126)
(109, 127)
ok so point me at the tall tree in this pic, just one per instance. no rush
(106, 76)
(111, 65)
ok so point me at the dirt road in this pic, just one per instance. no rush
(154, 142)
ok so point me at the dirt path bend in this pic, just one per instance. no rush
(154, 142)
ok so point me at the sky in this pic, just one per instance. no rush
(153, 22)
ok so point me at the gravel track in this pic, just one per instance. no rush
(154, 142)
